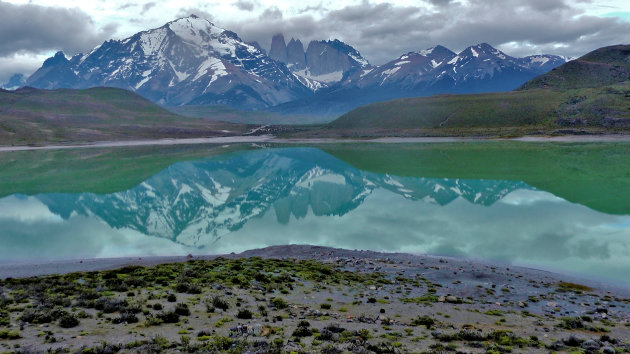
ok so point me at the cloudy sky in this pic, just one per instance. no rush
(31, 30)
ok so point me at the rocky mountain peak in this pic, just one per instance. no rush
(483, 50)
(296, 58)
(58, 58)
(327, 57)
(438, 52)
(322, 64)
(278, 49)
(15, 82)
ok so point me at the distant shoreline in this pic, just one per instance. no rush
(275, 140)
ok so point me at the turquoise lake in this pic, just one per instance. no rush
(257, 197)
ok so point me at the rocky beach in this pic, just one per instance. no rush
(306, 299)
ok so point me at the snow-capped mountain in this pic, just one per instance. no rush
(478, 68)
(543, 62)
(195, 203)
(482, 68)
(438, 70)
(15, 82)
(190, 61)
(324, 63)
(405, 71)
(186, 61)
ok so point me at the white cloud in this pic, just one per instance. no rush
(26, 210)
(21, 63)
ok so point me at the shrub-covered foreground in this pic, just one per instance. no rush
(275, 305)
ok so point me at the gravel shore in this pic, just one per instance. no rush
(306, 299)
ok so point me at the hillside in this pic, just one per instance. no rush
(590, 108)
(604, 66)
(590, 94)
(226, 113)
(33, 116)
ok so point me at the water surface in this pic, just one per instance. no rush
(518, 204)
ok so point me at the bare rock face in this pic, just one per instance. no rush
(323, 64)
(325, 57)
(296, 58)
(278, 49)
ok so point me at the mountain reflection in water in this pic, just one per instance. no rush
(303, 195)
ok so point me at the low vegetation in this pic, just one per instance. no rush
(551, 111)
(274, 305)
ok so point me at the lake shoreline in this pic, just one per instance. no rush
(275, 140)
(25, 269)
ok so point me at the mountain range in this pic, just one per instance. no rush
(191, 61)
(438, 70)
(590, 94)
(187, 61)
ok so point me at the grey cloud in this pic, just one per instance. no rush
(194, 11)
(244, 5)
(148, 6)
(126, 6)
(12, 64)
(440, 2)
(272, 13)
(35, 29)
(318, 8)
(304, 27)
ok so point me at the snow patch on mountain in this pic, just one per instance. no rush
(427, 52)
(325, 78)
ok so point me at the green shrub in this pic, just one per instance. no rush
(425, 320)
(7, 334)
(126, 317)
(168, 317)
(68, 321)
(279, 303)
(219, 303)
(244, 314)
(182, 309)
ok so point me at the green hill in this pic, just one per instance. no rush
(591, 94)
(33, 116)
(519, 112)
(601, 67)
(228, 114)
